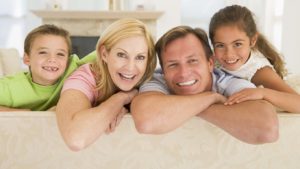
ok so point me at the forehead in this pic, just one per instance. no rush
(188, 45)
(229, 32)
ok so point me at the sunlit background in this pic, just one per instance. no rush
(277, 19)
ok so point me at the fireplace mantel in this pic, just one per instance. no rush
(92, 23)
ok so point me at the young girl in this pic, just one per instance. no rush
(242, 51)
(94, 97)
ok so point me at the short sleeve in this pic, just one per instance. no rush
(83, 80)
(157, 83)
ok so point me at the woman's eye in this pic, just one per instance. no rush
(140, 57)
(122, 55)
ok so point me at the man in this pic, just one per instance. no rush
(191, 86)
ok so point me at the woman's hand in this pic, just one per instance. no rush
(116, 121)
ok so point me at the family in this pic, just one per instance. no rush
(235, 85)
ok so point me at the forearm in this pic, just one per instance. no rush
(254, 122)
(3, 108)
(81, 125)
(160, 113)
(285, 101)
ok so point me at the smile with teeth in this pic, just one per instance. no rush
(231, 61)
(126, 76)
(187, 83)
(50, 68)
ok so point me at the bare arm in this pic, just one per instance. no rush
(80, 124)
(254, 122)
(270, 79)
(157, 113)
(3, 108)
(285, 101)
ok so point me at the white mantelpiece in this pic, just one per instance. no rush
(92, 23)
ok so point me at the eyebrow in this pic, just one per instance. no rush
(138, 53)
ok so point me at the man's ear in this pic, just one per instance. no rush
(103, 53)
(211, 64)
(254, 39)
(26, 59)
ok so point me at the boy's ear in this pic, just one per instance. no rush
(253, 40)
(26, 59)
(103, 53)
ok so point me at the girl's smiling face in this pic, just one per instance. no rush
(232, 46)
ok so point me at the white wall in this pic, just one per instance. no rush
(291, 35)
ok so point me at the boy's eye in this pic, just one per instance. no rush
(141, 57)
(120, 54)
(42, 52)
(61, 54)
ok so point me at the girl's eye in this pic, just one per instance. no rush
(122, 55)
(140, 57)
(238, 44)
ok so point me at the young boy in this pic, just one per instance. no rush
(47, 53)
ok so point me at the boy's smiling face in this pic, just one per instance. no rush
(47, 59)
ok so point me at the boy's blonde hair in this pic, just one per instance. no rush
(120, 29)
(46, 29)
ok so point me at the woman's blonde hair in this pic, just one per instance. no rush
(120, 29)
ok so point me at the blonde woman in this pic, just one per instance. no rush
(94, 98)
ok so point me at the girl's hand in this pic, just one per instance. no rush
(116, 121)
(244, 95)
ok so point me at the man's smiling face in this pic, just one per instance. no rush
(186, 69)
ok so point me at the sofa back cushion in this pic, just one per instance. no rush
(10, 61)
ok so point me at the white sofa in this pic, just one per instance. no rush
(31, 140)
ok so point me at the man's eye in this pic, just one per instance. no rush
(193, 61)
(219, 46)
(172, 65)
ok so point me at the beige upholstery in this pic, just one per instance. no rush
(32, 140)
(10, 61)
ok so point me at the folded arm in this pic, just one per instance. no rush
(81, 124)
(157, 113)
(253, 122)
